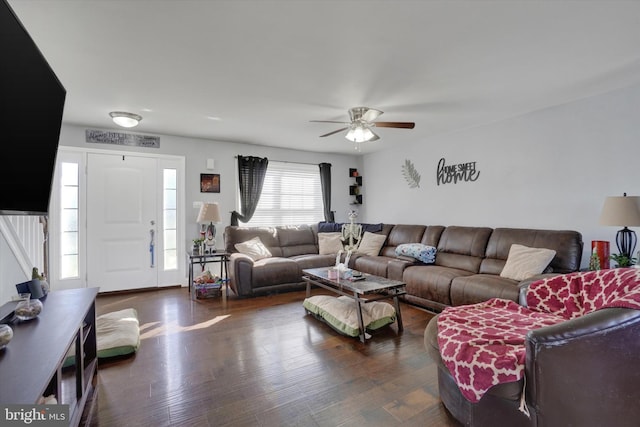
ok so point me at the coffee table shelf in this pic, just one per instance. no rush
(372, 288)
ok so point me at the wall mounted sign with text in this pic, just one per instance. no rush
(448, 174)
(119, 138)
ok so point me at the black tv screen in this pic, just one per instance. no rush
(31, 106)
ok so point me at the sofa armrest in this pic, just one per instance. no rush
(396, 267)
(241, 273)
(584, 371)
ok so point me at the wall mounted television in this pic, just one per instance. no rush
(31, 106)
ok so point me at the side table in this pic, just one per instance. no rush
(202, 259)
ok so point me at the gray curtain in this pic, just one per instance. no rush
(325, 183)
(251, 173)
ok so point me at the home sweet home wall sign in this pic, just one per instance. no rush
(448, 174)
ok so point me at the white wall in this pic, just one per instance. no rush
(548, 169)
(11, 273)
(196, 151)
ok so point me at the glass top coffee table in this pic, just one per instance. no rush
(371, 288)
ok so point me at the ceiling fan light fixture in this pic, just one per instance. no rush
(124, 119)
(359, 128)
(359, 133)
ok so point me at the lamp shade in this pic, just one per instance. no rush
(209, 212)
(623, 211)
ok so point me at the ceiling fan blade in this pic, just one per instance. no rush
(335, 131)
(329, 121)
(403, 125)
(371, 114)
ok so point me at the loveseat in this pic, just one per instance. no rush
(467, 267)
(566, 355)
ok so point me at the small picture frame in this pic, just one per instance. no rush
(209, 183)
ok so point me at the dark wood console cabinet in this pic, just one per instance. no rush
(33, 363)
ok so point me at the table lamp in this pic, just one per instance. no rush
(209, 212)
(622, 211)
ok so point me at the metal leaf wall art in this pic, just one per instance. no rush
(410, 174)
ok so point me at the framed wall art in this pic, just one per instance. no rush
(209, 183)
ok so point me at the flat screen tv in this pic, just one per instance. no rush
(31, 106)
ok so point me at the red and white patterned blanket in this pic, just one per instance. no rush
(483, 344)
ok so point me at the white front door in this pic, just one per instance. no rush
(122, 206)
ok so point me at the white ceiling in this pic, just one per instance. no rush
(265, 68)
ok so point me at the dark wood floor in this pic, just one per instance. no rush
(263, 362)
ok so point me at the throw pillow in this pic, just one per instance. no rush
(524, 262)
(254, 248)
(329, 243)
(424, 253)
(371, 243)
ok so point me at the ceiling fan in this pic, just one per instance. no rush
(362, 120)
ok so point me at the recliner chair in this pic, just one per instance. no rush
(581, 372)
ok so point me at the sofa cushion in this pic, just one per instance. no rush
(462, 248)
(330, 243)
(567, 244)
(424, 253)
(524, 262)
(432, 235)
(314, 260)
(396, 267)
(253, 248)
(371, 243)
(296, 240)
(431, 282)
(400, 234)
(376, 265)
(268, 236)
(275, 270)
(481, 287)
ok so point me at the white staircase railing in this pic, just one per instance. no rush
(25, 237)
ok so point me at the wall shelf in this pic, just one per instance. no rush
(354, 189)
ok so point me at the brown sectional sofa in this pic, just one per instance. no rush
(466, 270)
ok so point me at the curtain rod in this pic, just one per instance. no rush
(288, 161)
